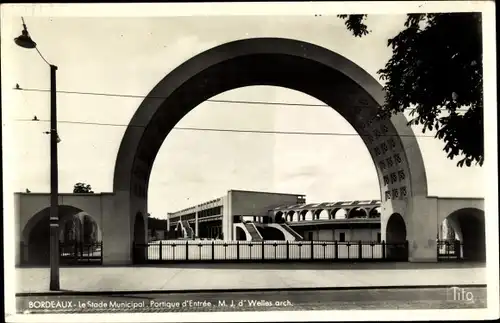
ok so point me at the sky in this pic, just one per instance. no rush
(131, 55)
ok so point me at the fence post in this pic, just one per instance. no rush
(237, 250)
(75, 253)
(161, 252)
(263, 250)
(383, 250)
(336, 248)
(437, 249)
(102, 252)
(360, 250)
(213, 249)
(287, 250)
(312, 249)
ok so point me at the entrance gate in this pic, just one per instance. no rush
(78, 253)
(70, 253)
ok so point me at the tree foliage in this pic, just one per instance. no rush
(436, 71)
(82, 188)
(355, 23)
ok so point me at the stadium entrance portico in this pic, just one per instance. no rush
(288, 63)
(292, 64)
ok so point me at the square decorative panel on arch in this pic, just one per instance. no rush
(397, 158)
(394, 178)
(392, 143)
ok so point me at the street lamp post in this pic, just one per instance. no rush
(25, 41)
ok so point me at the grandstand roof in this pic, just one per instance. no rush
(326, 205)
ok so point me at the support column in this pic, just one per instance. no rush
(227, 218)
(116, 229)
(422, 219)
(196, 226)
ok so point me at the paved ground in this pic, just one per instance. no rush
(191, 277)
(424, 298)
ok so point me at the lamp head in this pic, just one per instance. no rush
(25, 40)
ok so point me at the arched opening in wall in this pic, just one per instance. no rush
(140, 242)
(339, 214)
(240, 234)
(278, 218)
(396, 248)
(469, 228)
(291, 215)
(309, 216)
(74, 236)
(285, 63)
(316, 214)
(375, 212)
(323, 215)
(357, 213)
(303, 215)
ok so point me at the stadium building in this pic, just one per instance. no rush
(257, 216)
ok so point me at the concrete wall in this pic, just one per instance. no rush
(249, 203)
(116, 226)
(99, 206)
(446, 206)
(29, 204)
(353, 234)
(423, 217)
(258, 203)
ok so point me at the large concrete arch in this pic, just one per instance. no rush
(288, 63)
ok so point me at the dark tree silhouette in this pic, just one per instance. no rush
(436, 71)
(88, 230)
(82, 188)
